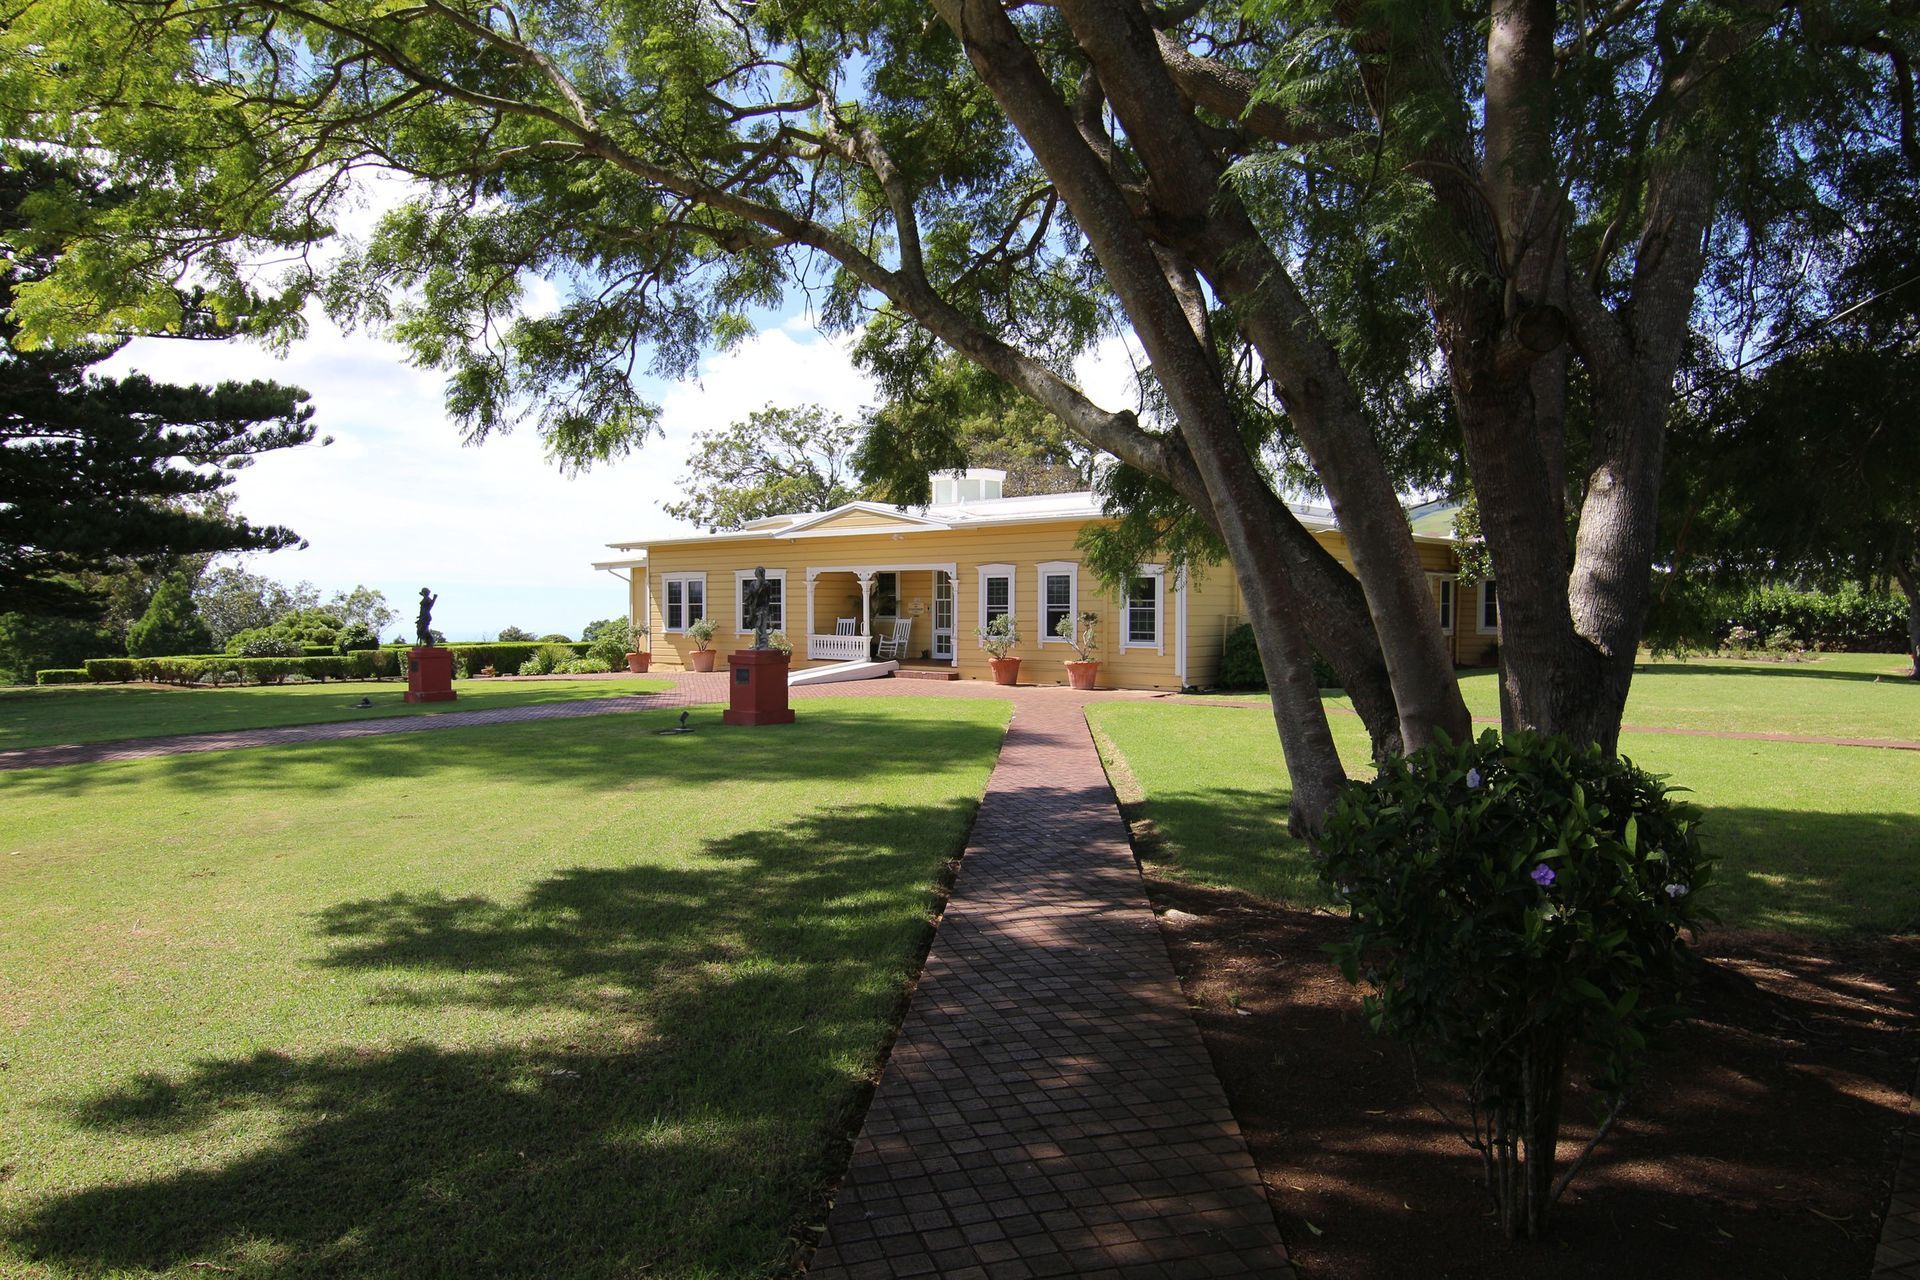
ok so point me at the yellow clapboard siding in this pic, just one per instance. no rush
(1211, 601)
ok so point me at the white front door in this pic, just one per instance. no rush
(942, 615)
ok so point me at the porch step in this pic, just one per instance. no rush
(833, 674)
(926, 673)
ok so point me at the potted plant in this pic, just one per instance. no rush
(1000, 638)
(640, 657)
(700, 631)
(1084, 671)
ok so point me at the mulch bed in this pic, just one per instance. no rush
(1761, 1142)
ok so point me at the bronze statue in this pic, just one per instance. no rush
(424, 623)
(758, 603)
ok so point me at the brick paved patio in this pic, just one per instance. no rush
(1049, 1108)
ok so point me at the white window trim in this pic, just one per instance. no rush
(706, 603)
(1445, 583)
(1158, 644)
(741, 577)
(1008, 572)
(1480, 610)
(1070, 570)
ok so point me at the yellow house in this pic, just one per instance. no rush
(924, 580)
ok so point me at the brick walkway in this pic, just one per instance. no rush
(1049, 1108)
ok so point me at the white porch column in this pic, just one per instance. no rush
(811, 579)
(866, 585)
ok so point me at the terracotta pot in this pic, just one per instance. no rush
(639, 662)
(1005, 670)
(701, 660)
(1083, 675)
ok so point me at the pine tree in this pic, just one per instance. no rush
(96, 472)
(171, 624)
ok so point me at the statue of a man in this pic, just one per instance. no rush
(424, 623)
(759, 605)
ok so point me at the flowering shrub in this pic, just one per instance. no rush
(547, 659)
(1517, 900)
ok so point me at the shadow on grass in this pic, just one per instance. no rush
(844, 739)
(1780, 869)
(686, 1127)
(1895, 675)
(1824, 872)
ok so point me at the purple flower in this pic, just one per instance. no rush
(1543, 875)
(1676, 891)
(1473, 779)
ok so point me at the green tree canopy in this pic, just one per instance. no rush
(171, 624)
(774, 461)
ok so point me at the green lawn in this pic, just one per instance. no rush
(562, 998)
(101, 713)
(1850, 695)
(1812, 839)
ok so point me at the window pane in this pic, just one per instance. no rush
(673, 606)
(1142, 618)
(696, 601)
(1059, 601)
(1446, 604)
(999, 592)
(1491, 614)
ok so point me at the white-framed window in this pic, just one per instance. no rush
(1446, 588)
(683, 599)
(1059, 597)
(996, 592)
(1489, 609)
(777, 583)
(1143, 625)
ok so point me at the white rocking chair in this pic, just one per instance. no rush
(894, 643)
(846, 626)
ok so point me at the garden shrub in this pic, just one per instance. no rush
(547, 659)
(356, 637)
(1699, 617)
(1241, 668)
(266, 642)
(60, 675)
(555, 638)
(1517, 901)
(610, 649)
(586, 666)
(112, 670)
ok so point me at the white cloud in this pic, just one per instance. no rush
(397, 502)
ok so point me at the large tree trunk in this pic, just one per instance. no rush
(1909, 577)
(1236, 490)
(1201, 214)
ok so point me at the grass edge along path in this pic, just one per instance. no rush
(517, 1001)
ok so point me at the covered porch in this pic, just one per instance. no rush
(852, 608)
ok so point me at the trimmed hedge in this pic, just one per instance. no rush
(1241, 668)
(60, 675)
(318, 664)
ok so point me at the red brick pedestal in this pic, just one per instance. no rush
(430, 675)
(757, 689)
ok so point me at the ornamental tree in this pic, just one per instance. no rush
(1316, 221)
